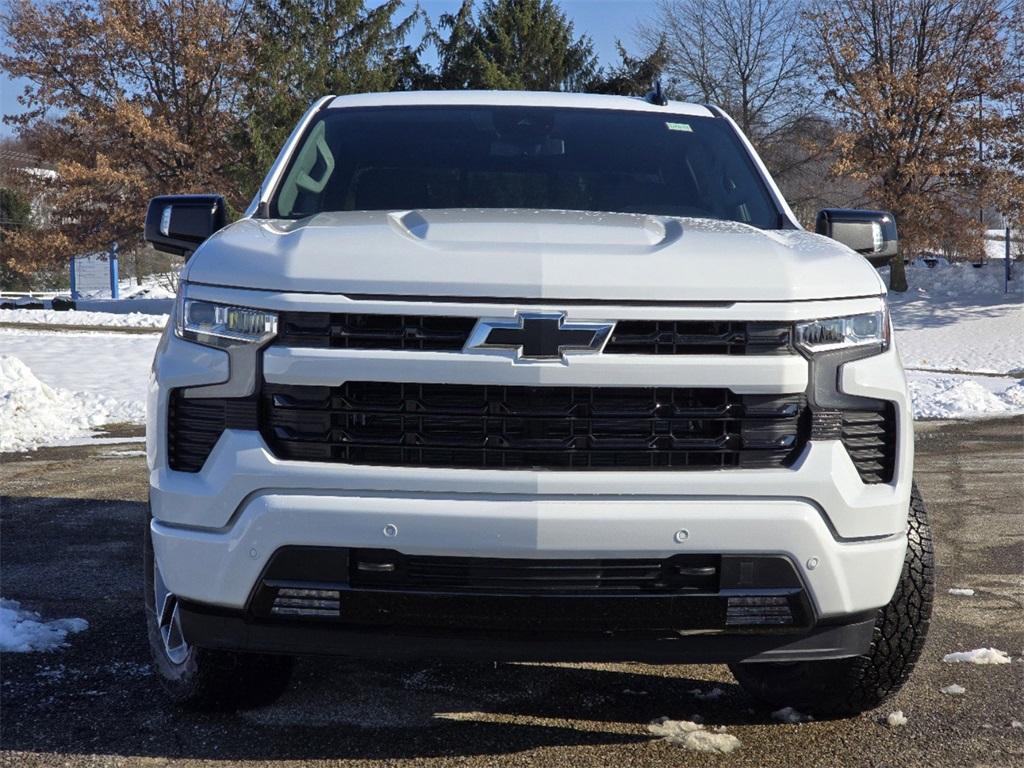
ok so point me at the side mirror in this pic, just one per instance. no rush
(178, 224)
(870, 233)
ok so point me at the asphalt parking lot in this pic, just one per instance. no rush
(71, 546)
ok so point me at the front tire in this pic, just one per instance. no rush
(199, 678)
(853, 685)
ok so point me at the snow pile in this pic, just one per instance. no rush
(113, 365)
(896, 719)
(953, 690)
(694, 736)
(963, 591)
(1014, 395)
(33, 413)
(956, 323)
(950, 397)
(23, 631)
(977, 656)
(78, 317)
(790, 715)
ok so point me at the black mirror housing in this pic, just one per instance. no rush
(870, 233)
(179, 224)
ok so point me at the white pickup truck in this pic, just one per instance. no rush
(530, 376)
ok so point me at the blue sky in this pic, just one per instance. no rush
(603, 20)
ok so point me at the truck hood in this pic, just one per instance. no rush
(531, 255)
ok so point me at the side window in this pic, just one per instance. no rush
(308, 176)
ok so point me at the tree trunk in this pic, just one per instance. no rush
(898, 273)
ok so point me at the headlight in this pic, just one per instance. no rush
(871, 328)
(222, 325)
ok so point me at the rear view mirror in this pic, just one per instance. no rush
(870, 233)
(179, 224)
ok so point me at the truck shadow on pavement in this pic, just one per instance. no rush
(67, 557)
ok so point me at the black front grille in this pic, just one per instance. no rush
(869, 436)
(691, 337)
(384, 569)
(558, 428)
(432, 333)
(367, 331)
(195, 424)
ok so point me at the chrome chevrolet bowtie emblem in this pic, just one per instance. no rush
(538, 336)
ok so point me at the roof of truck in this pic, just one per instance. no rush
(516, 99)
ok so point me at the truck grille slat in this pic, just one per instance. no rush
(511, 427)
(691, 337)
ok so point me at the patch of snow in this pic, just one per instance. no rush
(114, 365)
(954, 690)
(150, 289)
(694, 736)
(962, 591)
(955, 323)
(1014, 395)
(23, 631)
(121, 454)
(896, 719)
(78, 317)
(790, 715)
(951, 396)
(33, 413)
(977, 656)
(957, 282)
(1016, 724)
(712, 695)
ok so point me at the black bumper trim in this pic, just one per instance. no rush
(209, 627)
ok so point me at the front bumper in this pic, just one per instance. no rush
(222, 567)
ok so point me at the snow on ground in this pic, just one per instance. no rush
(22, 631)
(33, 413)
(953, 690)
(59, 387)
(896, 719)
(955, 323)
(962, 591)
(77, 317)
(153, 287)
(951, 396)
(694, 736)
(109, 364)
(977, 656)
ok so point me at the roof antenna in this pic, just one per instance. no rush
(656, 95)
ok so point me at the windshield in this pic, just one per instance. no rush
(401, 158)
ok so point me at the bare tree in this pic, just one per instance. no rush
(746, 56)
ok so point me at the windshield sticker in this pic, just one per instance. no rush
(679, 127)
